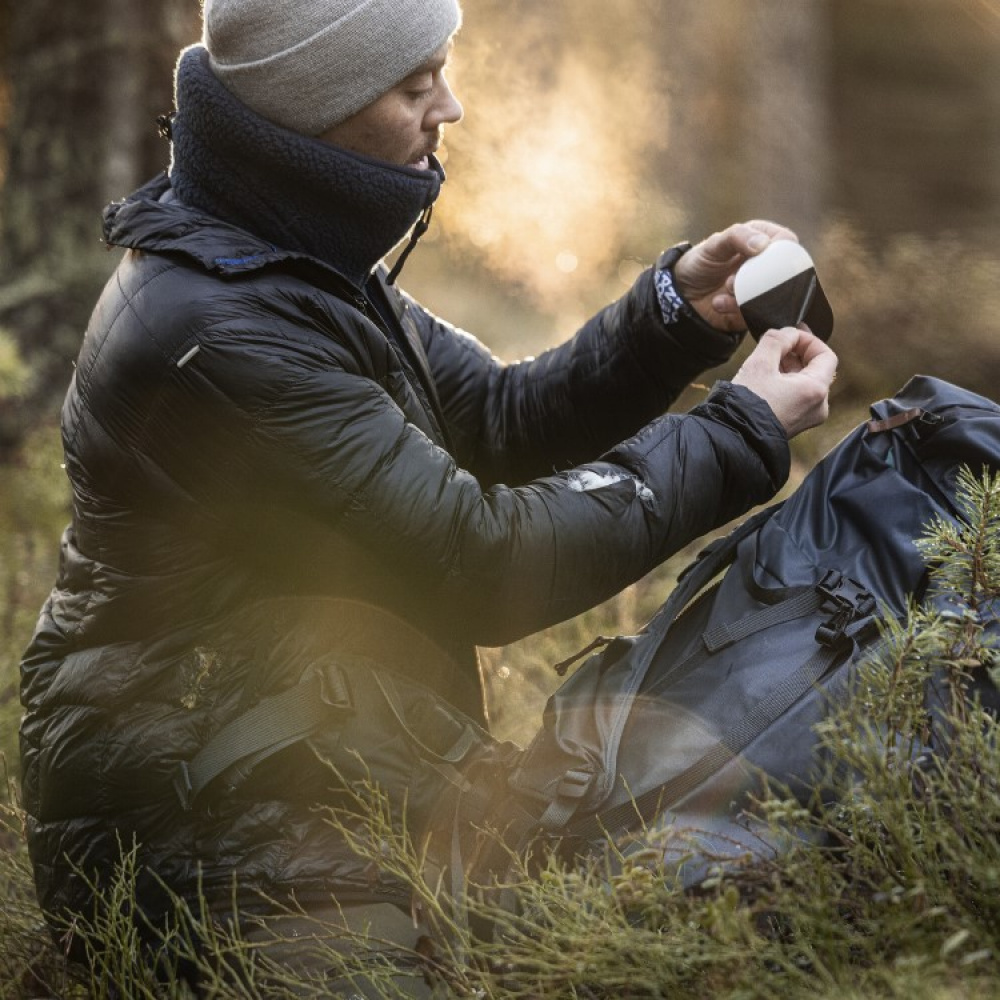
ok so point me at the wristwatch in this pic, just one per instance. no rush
(668, 259)
(673, 305)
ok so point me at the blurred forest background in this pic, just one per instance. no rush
(596, 134)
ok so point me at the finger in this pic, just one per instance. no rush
(746, 239)
(773, 230)
(814, 357)
(792, 350)
(791, 363)
(769, 354)
(809, 346)
(726, 305)
(774, 345)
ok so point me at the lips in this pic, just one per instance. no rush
(423, 161)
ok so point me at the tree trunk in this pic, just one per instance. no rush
(85, 80)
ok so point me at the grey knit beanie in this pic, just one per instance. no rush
(309, 64)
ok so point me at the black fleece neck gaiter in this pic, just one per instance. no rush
(293, 191)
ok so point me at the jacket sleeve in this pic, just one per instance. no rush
(490, 563)
(512, 422)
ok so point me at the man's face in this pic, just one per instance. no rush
(404, 126)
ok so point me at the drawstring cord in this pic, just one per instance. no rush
(423, 224)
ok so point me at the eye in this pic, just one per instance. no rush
(420, 86)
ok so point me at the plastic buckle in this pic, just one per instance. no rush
(850, 602)
(575, 784)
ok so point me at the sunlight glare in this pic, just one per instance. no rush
(545, 171)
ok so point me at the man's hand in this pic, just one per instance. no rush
(704, 275)
(791, 370)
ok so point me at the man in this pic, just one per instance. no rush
(266, 439)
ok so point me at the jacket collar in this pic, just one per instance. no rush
(290, 191)
(153, 219)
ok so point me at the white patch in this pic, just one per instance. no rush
(587, 480)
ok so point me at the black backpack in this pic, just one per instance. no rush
(679, 726)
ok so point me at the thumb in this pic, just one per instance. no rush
(774, 345)
(821, 363)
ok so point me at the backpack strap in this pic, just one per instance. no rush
(271, 725)
(321, 700)
(573, 786)
(331, 644)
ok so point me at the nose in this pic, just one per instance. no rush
(447, 109)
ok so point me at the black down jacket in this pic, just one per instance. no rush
(244, 425)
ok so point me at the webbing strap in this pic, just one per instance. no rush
(722, 636)
(712, 561)
(764, 713)
(725, 634)
(271, 725)
(573, 787)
